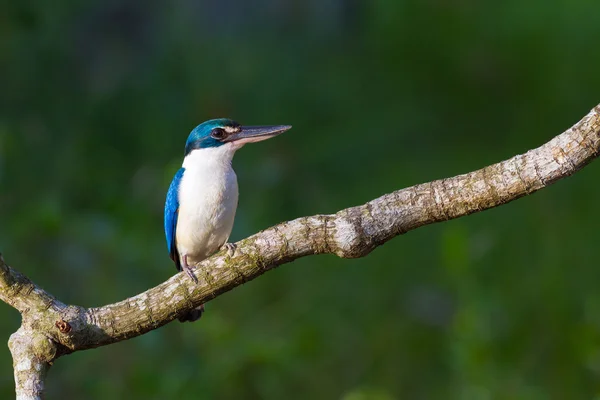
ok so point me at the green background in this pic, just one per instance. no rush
(98, 98)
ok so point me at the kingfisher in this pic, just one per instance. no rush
(203, 195)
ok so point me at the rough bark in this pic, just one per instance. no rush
(51, 329)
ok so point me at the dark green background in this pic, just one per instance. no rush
(98, 98)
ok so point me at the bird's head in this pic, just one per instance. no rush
(226, 132)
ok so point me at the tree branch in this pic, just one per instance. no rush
(51, 328)
(33, 354)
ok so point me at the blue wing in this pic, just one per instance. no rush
(171, 214)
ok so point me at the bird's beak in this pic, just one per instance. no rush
(251, 134)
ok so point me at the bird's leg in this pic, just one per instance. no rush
(230, 247)
(185, 266)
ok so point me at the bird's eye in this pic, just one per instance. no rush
(218, 133)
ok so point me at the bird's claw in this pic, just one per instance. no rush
(230, 247)
(190, 273)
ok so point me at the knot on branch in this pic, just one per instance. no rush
(349, 237)
(63, 326)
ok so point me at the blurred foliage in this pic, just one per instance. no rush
(99, 96)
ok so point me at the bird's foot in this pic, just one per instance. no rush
(189, 273)
(230, 247)
(188, 270)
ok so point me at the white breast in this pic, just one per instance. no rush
(208, 198)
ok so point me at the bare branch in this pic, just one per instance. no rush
(32, 356)
(51, 329)
(19, 292)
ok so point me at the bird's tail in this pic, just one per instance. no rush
(193, 315)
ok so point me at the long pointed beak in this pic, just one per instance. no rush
(251, 134)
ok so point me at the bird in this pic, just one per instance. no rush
(202, 198)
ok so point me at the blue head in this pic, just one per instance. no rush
(223, 131)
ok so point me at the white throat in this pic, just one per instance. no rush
(210, 157)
